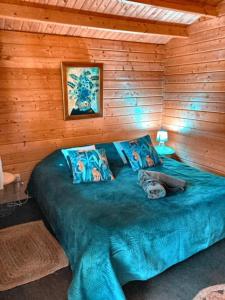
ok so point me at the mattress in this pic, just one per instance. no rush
(112, 233)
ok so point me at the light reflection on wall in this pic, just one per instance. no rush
(196, 106)
(183, 126)
(130, 101)
(138, 110)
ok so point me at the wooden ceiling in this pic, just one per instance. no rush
(149, 21)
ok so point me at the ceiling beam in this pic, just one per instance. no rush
(185, 6)
(54, 15)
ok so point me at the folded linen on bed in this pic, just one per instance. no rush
(157, 184)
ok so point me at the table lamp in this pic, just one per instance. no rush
(162, 137)
(161, 148)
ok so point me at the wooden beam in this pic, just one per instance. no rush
(186, 6)
(51, 14)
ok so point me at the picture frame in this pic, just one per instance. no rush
(82, 85)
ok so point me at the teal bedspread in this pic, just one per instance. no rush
(113, 234)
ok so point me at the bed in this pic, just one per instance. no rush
(113, 234)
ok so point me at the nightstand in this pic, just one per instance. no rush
(12, 196)
(163, 150)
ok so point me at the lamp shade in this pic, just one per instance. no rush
(162, 136)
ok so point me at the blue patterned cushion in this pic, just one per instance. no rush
(81, 149)
(90, 166)
(141, 153)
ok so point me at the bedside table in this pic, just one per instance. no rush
(12, 196)
(163, 150)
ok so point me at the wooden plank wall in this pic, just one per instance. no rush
(194, 107)
(31, 114)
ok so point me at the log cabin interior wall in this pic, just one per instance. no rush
(188, 74)
(31, 113)
(194, 106)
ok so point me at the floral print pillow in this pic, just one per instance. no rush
(90, 166)
(80, 149)
(141, 153)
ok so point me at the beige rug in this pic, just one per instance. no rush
(28, 252)
(216, 292)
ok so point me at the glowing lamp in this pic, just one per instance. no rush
(161, 148)
(162, 137)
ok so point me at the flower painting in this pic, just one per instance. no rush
(82, 90)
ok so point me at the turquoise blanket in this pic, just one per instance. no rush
(113, 234)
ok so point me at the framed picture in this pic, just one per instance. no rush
(82, 90)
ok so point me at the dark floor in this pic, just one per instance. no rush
(180, 282)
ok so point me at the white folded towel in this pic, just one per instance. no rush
(157, 184)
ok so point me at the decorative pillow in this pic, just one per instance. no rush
(141, 153)
(90, 166)
(120, 151)
(112, 154)
(65, 152)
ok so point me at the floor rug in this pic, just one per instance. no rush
(216, 292)
(28, 252)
